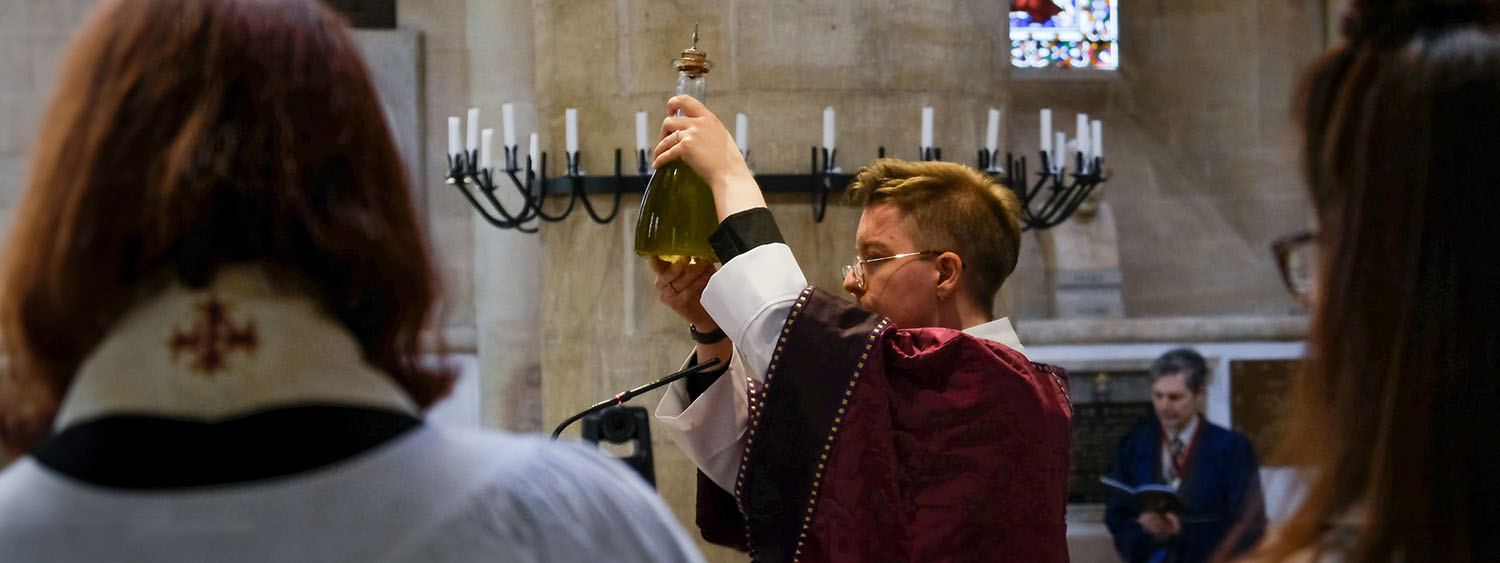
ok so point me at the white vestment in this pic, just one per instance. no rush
(428, 494)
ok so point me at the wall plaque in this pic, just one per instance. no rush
(1107, 404)
(1260, 403)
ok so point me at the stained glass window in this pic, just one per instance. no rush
(1065, 34)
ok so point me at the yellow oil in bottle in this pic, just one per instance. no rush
(677, 210)
(677, 216)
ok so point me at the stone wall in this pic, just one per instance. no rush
(1199, 141)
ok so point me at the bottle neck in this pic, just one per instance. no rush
(692, 85)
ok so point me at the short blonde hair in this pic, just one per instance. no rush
(948, 206)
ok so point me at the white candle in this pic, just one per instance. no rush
(992, 132)
(741, 133)
(1047, 130)
(508, 112)
(570, 118)
(535, 153)
(1097, 137)
(486, 138)
(926, 128)
(472, 140)
(1083, 134)
(828, 128)
(453, 142)
(640, 132)
(1060, 152)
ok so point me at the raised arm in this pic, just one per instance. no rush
(696, 136)
(752, 294)
(708, 423)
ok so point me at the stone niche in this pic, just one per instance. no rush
(1082, 258)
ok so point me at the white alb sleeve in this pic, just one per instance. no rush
(710, 430)
(750, 297)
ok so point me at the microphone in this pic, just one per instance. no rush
(632, 393)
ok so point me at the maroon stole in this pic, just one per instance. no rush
(868, 443)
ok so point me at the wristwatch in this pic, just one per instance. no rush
(711, 337)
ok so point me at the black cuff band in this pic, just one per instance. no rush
(709, 337)
(739, 233)
(699, 382)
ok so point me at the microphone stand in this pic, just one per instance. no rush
(631, 394)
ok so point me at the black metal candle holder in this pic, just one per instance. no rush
(534, 187)
(1064, 191)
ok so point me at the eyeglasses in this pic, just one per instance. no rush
(1297, 257)
(858, 267)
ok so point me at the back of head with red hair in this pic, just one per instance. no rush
(185, 136)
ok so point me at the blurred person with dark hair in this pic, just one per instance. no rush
(214, 290)
(1212, 469)
(1395, 408)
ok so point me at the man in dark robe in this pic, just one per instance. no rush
(1213, 470)
(908, 426)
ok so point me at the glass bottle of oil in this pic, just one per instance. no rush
(677, 211)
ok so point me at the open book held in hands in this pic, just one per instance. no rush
(1153, 497)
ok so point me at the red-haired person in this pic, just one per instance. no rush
(214, 290)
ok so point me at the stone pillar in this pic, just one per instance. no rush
(1083, 263)
(394, 57)
(506, 262)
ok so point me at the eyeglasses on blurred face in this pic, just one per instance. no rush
(1297, 258)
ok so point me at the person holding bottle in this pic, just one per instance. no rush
(907, 425)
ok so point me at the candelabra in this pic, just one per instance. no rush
(1064, 191)
(1050, 200)
(533, 186)
(532, 183)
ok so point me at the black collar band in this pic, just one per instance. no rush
(157, 452)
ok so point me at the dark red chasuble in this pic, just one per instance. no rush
(871, 443)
